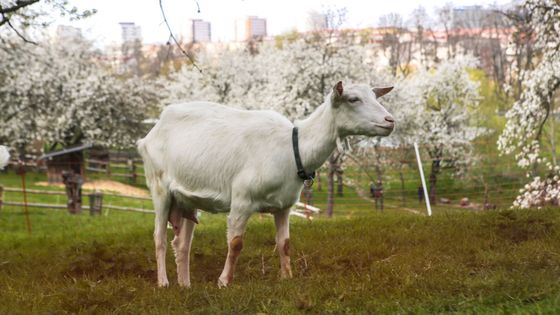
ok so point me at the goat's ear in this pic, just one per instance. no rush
(337, 89)
(337, 93)
(382, 91)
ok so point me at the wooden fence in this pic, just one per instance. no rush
(129, 167)
(300, 209)
(5, 190)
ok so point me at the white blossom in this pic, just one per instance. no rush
(62, 93)
(540, 192)
(291, 79)
(526, 118)
(434, 108)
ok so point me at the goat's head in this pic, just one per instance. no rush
(358, 112)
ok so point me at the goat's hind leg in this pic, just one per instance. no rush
(182, 246)
(161, 206)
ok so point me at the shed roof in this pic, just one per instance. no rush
(66, 151)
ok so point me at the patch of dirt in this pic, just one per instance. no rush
(518, 229)
(100, 261)
(106, 185)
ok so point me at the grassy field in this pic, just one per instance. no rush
(360, 262)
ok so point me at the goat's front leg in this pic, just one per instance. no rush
(160, 236)
(281, 219)
(236, 228)
(182, 246)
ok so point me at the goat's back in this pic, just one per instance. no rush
(206, 148)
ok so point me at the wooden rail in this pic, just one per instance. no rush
(39, 205)
(127, 209)
(95, 169)
(127, 196)
(300, 209)
(61, 206)
(61, 192)
(129, 167)
(97, 161)
(64, 206)
(130, 170)
(35, 191)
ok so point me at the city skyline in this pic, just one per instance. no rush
(103, 28)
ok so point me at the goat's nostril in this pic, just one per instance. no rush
(389, 119)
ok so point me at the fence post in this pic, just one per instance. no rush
(132, 171)
(108, 167)
(73, 184)
(21, 172)
(95, 203)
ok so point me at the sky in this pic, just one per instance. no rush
(282, 16)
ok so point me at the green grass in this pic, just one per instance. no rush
(359, 262)
(494, 262)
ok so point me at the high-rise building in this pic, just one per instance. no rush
(130, 32)
(66, 32)
(316, 21)
(199, 31)
(251, 27)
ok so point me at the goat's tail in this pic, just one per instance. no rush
(141, 146)
(149, 171)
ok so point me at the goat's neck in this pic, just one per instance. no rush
(317, 137)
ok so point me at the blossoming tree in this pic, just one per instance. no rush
(435, 108)
(529, 121)
(62, 95)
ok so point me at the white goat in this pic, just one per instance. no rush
(207, 156)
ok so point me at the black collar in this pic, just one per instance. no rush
(300, 170)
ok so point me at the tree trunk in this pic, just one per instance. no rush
(308, 195)
(318, 180)
(433, 180)
(339, 182)
(330, 185)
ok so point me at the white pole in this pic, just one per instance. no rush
(426, 197)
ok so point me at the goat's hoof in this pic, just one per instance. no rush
(163, 284)
(184, 284)
(286, 274)
(222, 284)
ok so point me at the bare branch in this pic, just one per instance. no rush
(19, 4)
(7, 20)
(191, 59)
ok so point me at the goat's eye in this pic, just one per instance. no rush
(353, 100)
